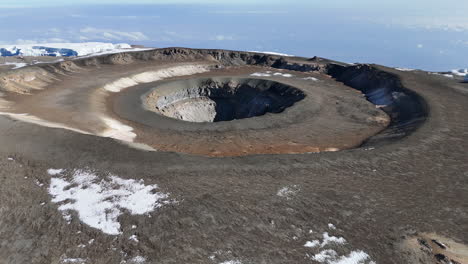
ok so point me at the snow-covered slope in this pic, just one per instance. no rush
(273, 53)
(62, 49)
(460, 72)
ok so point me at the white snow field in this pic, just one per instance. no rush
(99, 201)
(64, 49)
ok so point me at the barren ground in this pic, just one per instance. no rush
(240, 209)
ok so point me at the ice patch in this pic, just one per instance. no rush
(100, 201)
(331, 226)
(154, 76)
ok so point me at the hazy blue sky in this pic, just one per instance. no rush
(431, 35)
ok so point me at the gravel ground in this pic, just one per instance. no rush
(254, 208)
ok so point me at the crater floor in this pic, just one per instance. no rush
(209, 156)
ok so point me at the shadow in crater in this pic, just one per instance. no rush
(216, 100)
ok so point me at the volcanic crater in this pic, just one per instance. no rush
(215, 100)
(249, 147)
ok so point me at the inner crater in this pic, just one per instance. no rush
(220, 99)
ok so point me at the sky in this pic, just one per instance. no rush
(430, 35)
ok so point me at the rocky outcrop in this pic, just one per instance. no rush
(406, 108)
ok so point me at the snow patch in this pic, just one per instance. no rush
(38, 121)
(355, 257)
(460, 72)
(268, 74)
(312, 244)
(327, 239)
(330, 256)
(154, 76)
(16, 65)
(442, 74)
(138, 259)
(273, 53)
(260, 74)
(288, 192)
(117, 130)
(99, 201)
(54, 172)
(404, 69)
(73, 260)
(47, 62)
(310, 79)
(325, 255)
(38, 183)
(286, 75)
(231, 262)
(134, 238)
